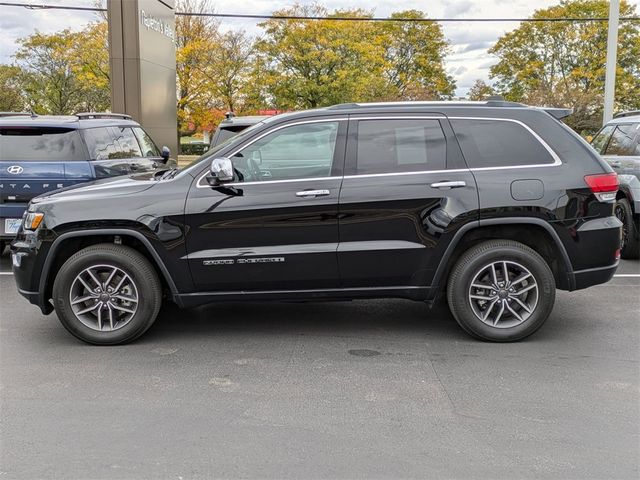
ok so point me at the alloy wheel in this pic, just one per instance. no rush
(104, 297)
(503, 294)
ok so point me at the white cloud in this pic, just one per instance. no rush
(469, 41)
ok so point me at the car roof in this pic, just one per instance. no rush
(78, 122)
(241, 121)
(630, 117)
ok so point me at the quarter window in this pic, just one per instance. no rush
(624, 141)
(386, 146)
(496, 143)
(298, 151)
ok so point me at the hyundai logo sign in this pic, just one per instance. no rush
(15, 169)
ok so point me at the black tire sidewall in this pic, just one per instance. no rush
(459, 300)
(133, 265)
(632, 248)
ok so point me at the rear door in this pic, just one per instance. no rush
(34, 160)
(405, 192)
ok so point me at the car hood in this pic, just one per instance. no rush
(104, 188)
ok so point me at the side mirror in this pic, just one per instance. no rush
(166, 153)
(221, 171)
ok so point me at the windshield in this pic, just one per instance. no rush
(235, 139)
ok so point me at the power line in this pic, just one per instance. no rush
(33, 6)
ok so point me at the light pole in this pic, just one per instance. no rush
(612, 52)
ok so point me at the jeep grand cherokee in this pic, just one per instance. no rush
(494, 204)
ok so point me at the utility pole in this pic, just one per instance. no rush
(612, 59)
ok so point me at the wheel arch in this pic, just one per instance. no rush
(85, 238)
(549, 246)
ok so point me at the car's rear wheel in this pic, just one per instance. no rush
(501, 291)
(629, 243)
(107, 294)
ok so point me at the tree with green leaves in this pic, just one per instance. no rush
(11, 99)
(480, 90)
(313, 63)
(563, 63)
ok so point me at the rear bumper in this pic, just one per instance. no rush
(594, 276)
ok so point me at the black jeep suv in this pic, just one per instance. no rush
(495, 203)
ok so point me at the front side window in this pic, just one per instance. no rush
(297, 151)
(149, 148)
(498, 143)
(601, 138)
(386, 146)
(624, 140)
(129, 147)
(30, 144)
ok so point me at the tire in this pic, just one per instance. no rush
(538, 291)
(119, 316)
(630, 243)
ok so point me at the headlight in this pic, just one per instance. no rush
(32, 220)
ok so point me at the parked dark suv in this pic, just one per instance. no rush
(44, 153)
(497, 204)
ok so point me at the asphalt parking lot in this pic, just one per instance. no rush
(366, 389)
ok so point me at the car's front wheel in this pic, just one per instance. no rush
(107, 294)
(501, 291)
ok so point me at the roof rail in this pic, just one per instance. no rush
(558, 113)
(16, 114)
(92, 115)
(627, 114)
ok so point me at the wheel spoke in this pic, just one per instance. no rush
(484, 287)
(94, 278)
(110, 316)
(500, 312)
(489, 308)
(514, 313)
(100, 317)
(110, 277)
(125, 298)
(494, 274)
(78, 300)
(521, 278)
(120, 283)
(526, 289)
(88, 309)
(522, 304)
(506, 273)
(86, 286)
(481, 297)
(122, 309)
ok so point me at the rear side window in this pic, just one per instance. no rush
(40, 144)
(106, 143)
(496, 143)
(624, 141)
(386, 146)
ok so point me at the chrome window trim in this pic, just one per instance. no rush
(554, 155)
(301, 122)
(354, 117)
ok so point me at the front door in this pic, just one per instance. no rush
(275, 226)
(406, 190)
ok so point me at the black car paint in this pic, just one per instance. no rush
(386, 235)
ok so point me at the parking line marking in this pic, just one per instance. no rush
(627, 275)
(6, 273)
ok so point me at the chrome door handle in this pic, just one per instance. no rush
(313, 193)
(446, 185)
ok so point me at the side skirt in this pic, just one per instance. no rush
(408, 292)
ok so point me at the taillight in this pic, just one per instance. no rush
(604, 186)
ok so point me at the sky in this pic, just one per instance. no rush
(468, 61)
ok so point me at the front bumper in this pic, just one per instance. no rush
(26, 265)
